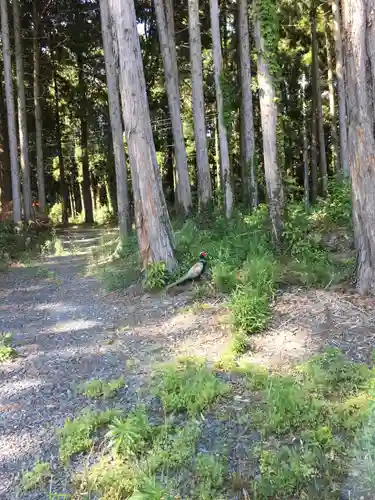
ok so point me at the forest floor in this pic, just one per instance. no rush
(248, 432)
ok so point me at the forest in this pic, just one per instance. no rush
(139, 138)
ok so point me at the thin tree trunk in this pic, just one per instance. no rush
(306, 188)
(268, 111)
(359, 36)
(203, 168)
(22, 115)
(314, 140)
(6, 180)
(87, 200)
(223, 136)
(318, 91)
(343, 129)
(250, 188)
(38, 111)
(12, 130)
(116, 124)
(63, 185)
(166, 39)
(332, 107)
(152, 221)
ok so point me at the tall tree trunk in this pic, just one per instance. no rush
(6, 180)
(12, 130)
(87, 200)
(306, 188)
(64, 193)
(359, 37)
(340, 77)
(22, 115)
(318, 96)
(250, 189)
(152, 220)
(116, 124)
(332, 107)
(314, 141)
(223, 136)
(268, 111)
(203, 168)
(38, 111)
(166, 39)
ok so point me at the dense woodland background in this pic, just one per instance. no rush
(214, 106)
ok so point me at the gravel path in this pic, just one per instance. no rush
(68, 330)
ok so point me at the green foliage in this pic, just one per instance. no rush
(230, 93)
(55, 213)
(7, 351)
(209, 477)
(96, 388)
(188, 386)
(155, 276)
(77, 435)
(269, 21)
(131, 435)
(38, 476)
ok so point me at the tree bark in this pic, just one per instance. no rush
(223, 135)
(359, 35)
(64, 193)
(5, 174)
(12, 130)
(250, 188)
(115, 120)
(87, 200)
(22, 115)
(165, 24)
(203, 168)
(38, 111)
(268, 111)
(318, 94)
(152, 221)
(340, 77)
(332, 107)
(306, 188)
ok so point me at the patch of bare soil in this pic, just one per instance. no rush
(306, 322)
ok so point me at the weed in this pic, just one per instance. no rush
(188, 385)
(250, 311)
(173, 450)
(7, 352)
(129, 436)
(331, 373)
(38, 476)
(112, 478)
(155, 276)
(289, 406)
(96, 388)
(77, 435)
(209, 477)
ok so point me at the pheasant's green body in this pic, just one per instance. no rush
(194, 272)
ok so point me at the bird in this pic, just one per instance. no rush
(195, 272)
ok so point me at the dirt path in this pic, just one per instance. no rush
(67, 330)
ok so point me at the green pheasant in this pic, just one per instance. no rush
(194, 273)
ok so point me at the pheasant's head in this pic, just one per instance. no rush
(203, 255)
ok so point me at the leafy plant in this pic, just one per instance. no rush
(188, 385)
(155, 276)
(37, 476)
(97, 388)
(7, 352)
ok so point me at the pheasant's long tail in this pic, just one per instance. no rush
(178, 282)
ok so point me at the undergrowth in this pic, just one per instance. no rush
(316, 425)
(241, 261)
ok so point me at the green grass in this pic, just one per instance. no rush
(316, 425)
(7, 351)
(97, 388)
(187, 385)
(37, 477)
